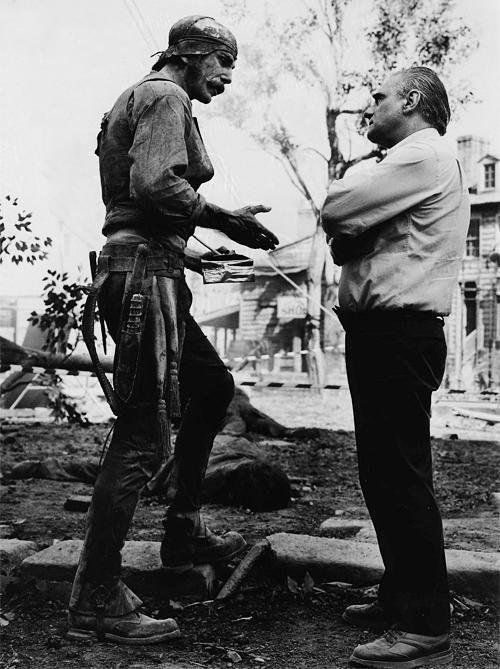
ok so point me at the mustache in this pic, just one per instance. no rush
(217, 86)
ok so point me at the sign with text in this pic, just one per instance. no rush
(291, 306)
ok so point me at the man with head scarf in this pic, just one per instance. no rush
(152, 162)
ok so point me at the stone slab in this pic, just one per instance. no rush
(327, 559)
(480, 532)
(343, 527)
(471, 573)
(12, 554)
(56, 591)
(141, 570)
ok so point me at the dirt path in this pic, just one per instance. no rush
(267, 627)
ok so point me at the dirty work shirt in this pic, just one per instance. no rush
(152, 160)
(416, 204)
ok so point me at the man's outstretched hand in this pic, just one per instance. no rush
(242, 227)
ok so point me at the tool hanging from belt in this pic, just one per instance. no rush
(150, 297)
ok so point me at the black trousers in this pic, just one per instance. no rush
(206, 388)
(394, 361)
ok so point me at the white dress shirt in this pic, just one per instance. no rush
(416, 202)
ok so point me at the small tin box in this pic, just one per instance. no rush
(230, 268)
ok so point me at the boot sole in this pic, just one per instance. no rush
(187, 566)
(441, 658)
(378, 627)
(76, 634)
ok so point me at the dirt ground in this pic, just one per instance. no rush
(266, 625)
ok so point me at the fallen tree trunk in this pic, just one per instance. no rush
(241, 415)
(13, 354)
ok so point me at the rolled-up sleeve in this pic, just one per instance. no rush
(374, 195)
(158, 158)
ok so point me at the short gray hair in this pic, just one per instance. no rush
(433, 106)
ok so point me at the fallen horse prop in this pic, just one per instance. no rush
(238, 474)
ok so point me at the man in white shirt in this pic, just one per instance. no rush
(398, 230)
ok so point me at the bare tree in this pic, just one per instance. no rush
(308, 67)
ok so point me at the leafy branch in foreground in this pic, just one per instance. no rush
(61, 320)
(17, 239)
(63, 408)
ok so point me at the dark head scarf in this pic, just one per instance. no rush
(200, 35)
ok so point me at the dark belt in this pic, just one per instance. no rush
(381, 319)
(121, 257)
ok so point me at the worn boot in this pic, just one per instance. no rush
(402, 650)
(188, 542)
(368, 616)
(133, 628)
(104, 613)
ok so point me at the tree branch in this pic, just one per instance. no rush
(321, 155)
(295, 176)
(289, 173)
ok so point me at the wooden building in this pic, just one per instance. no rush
(473, 329)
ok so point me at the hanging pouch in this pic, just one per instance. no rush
(134, 312)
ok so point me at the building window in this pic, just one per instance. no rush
(472, 242)
(489, 175)
(470, 299)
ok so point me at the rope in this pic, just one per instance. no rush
(298, 288)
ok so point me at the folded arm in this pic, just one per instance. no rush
(360, 202)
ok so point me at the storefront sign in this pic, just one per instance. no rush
(291, 306)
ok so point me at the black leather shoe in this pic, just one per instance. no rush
(188, 542)
(402, 650)
(368, 616)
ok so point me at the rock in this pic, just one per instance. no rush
(78, 503)
(55, 591)
(327, 559)
(471, 573)
(12, 554)
(141, 570)
(337, 586)
(463, 533)
(6, 531)
(367, 534)
(13, 530)
(341, 528)
(233, 656)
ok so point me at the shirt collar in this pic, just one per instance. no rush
(154, 74)
(425, 133)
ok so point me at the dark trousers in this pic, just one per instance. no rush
(206, 388)
(394, 362)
